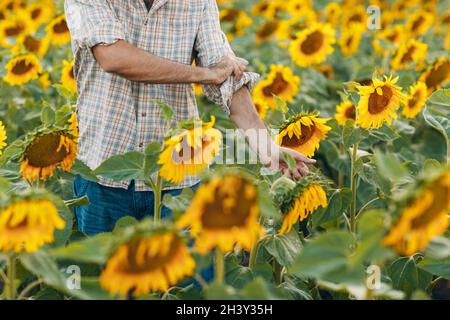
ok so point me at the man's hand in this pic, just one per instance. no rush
(276, 161)
(229, 65)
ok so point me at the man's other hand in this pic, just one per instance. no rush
(229, 65)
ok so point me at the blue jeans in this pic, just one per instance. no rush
(107, 205)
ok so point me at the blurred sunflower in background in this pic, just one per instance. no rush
(22, 69)
(303, 133)
(298, 203)
(3, 137)
(312, 45)
(236, 20)
(280, 82)
(346, 110)
(267, 31)
(416, 100)
(58, 31)
(332, 13)
(148, 264)
(437, 74)
(353, 15)
(350, 39)
(11, 28)
(378, 102)
(393, 35)
(68, 76)
(189, 152)
(224, 213)
(261, 107)
(30, 44)
(44, 80)
(418, 23)
(40, 12)
(46, 150)
(411, 53)
(424, 218)
(27, 222)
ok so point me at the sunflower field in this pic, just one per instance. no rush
(360, 86)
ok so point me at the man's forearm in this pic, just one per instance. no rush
(136, 64)
(244, 115)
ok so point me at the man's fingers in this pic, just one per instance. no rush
(237, 72)
(296, 174)
(302, 158)
(303, 169)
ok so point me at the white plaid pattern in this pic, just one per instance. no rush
(116, 115)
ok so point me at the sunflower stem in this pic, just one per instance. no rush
(253, 255)
(277, 272)
(354, 180)
(11, 289)
(220, 267)
(157, 202)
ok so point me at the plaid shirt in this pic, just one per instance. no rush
(116, 115)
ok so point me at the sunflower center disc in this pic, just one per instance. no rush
(377, 103)
(21, 68)
(439, 205)
(61, 27)
(277, 87)
(307, 133)
(43, 151)
(312, 43)
(14, 31)
(438, 75)
(350, 112)
(231, 201)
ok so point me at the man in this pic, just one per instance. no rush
(130, 54)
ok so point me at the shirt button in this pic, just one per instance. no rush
(141, 145)
(144, 114)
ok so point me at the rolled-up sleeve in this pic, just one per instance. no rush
(92, 22)
(211, 46)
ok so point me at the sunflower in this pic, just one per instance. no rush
(276, 9)
(198, 89)
(289, 28)
(416, 100)
(326, 69)
(189, 152)
(312, 45)
(147, 264)
(32, 45)
(13, 5)
(345, 111)
(350, 39)
(303, 133)
(260, 7)
(73, 125)
(3, 137)
(424, 218)
(300, 202)
(67, 76)
(58, 32)
(267, 31)
(280, 82)
(297, 8)
(394, 35)
(27, 224)
(261, 107)
(40, 12)
(354, 15)
(44, 81)
(332, 13)
(418, 23)
(224, 214)
(22, 69)
(237, 19)
(11, 28)
(378, 102)
(412, 52)
(47, 151)
(437, 74)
